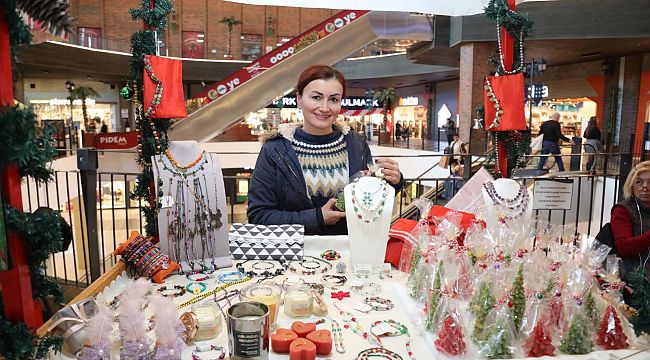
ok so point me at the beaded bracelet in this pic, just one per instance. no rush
(258, 265)
(366, 289)
(379, 304)
(196, 287)
(317, 287)
(230, 277)
(311, 270)
(199, 275)
(164, 288)
(378, 352)
(206, 348)
(153, 263)
(330, 255)
(264, 274)
(333, 281)
(162, 263)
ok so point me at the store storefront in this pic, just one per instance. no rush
(411, 113)
(574, 114)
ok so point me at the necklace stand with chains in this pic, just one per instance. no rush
(514, 207)
(192, 222)
(367, 205)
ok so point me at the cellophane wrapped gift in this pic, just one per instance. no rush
(577, 335)
(136, 344)
(412, 252)
(71, 322)
(450, 339)
(435, 293)
(497, 339)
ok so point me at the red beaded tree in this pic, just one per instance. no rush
(540, 343)
(610, 334)
(451, 339)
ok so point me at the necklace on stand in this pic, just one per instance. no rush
(514, 207)
(365, 205)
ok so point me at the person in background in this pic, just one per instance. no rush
(455, 181)
(630, 221)
(458, 149)
(551, 144)
(450, 129)
(302, 168)
(104, 128)
(593, 145)
(398, 130)
(405, 131)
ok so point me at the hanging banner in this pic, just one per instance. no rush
(116, 140)
(280, 54)
(553, 194)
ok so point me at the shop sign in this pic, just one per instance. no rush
(57, 102)
(278, 55)
(553, 194)
(117, 140)
(409, 101)
(349, 103)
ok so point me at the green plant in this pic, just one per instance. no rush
(83, 93)
(387, 97)
(230, 22)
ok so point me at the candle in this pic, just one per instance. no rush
(323, 341)
(298, 301)
(267, 294)
(302, 349)
(302, 329)
(281, 340)
(209, 321)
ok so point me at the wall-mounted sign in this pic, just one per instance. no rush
(55, 101)
(409, 101)
(349, 103)
(116, 140)
(553, 194)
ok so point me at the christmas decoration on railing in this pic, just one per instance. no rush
(504, 102)
(305, 41)
(153, 132)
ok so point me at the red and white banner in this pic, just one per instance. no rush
(276, 56)
(116, 140)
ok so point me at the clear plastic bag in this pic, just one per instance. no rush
(610, 334)
(412, 253)
(497, 339)
(451, 337)
(435, 292)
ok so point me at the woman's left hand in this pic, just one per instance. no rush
(390, 169)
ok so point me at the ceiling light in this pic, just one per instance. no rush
(200, 35)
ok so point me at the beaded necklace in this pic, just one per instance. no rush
(353, 324)
(378, 352)
(266, 269)
(366, 208)
(521, 49)
(337, 337)
(379, 304)
(309, 267)
(515, 207)
(397, 329)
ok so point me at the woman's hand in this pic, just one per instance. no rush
(390, 169)
(330, 215)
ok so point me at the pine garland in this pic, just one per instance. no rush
(143, 42)
(640, 300)
(19, 33)
(23, 344)
(515, 23)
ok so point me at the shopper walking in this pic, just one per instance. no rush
(398, 130)
(630, 222)
(593, 145)
(450, 129)
(458, 149)
(302, 168)
(551, 143)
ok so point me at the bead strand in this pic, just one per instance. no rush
(338, 337)
(353, 324)
(211, 292)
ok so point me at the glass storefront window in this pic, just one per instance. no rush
(251, 46)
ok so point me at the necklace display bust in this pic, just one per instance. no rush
(368, 210)
(506, 200)
(192, 220)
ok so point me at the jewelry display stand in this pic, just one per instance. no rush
(368, 210)
(190, 182)
(508, 193)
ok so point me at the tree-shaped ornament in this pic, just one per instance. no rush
(518, 298)
(496, 342)
(610, 334)
(480, 307)
(540, 343)
(591, 310)
(434, 300)
(451, 339)
(577, 340)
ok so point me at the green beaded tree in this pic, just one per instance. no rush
(518, 298)
(590, 309)
(577, 340)
(496, 342)
(435, 299)
(640, 300)
(480, 307)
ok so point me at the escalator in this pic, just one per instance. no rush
(275, 73)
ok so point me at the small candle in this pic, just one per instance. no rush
(209, 321)
(281, 340)
(302, 329)
(302, 349)
(298, 301)
(267, 294)
(323, 341)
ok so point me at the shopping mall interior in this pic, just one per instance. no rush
(582, 60)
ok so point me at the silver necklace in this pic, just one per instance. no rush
(366, 206)
(515, 207)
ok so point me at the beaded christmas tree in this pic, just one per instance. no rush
(480, 307)
(518, 298)
(590, 309)
(451, 339)
(540, 343)
(463, 283)
(610, 334)
(435, 298)
(577, 340)
(496, 342)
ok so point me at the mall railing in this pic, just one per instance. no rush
(97, 206)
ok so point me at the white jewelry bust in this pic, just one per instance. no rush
(368, 230)
(507, 189)
(211, 182)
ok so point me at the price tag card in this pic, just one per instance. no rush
(364, 308)
(167, 202)
(362, 270)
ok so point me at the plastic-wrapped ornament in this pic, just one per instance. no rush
(126, 93)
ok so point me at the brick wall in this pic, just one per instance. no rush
(200, 15)
(629, 107)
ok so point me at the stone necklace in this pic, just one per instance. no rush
(365, 205)
(514, 207)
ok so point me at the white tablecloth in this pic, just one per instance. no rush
(354, 343)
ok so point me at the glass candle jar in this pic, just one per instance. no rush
(209, 321)
(268, 294)
(298, 301)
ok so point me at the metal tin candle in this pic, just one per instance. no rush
(248, 331)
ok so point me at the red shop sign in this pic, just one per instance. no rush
(276, 56)
(116, 140)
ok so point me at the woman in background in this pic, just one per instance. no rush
(593, 145)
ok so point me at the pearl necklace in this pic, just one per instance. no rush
(521, 49)
(515, 206)
(366, 208)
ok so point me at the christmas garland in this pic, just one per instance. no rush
(23, 344)
(153, 132)
(640, 300)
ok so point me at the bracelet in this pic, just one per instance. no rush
(153, 264)
(282, 266)
(311, 270)
(191, 324)
(230, 277)
(378, 352)
(258, 265)
(199, 276)
(367, 289)
(206, 348)
(319, 288)
(379, 304)
(333, 281)
(164, 288)
(196, 287)
(200, 297)
(330, 255)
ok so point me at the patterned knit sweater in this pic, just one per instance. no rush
(324, 162)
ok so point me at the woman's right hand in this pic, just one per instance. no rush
(330, 215)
